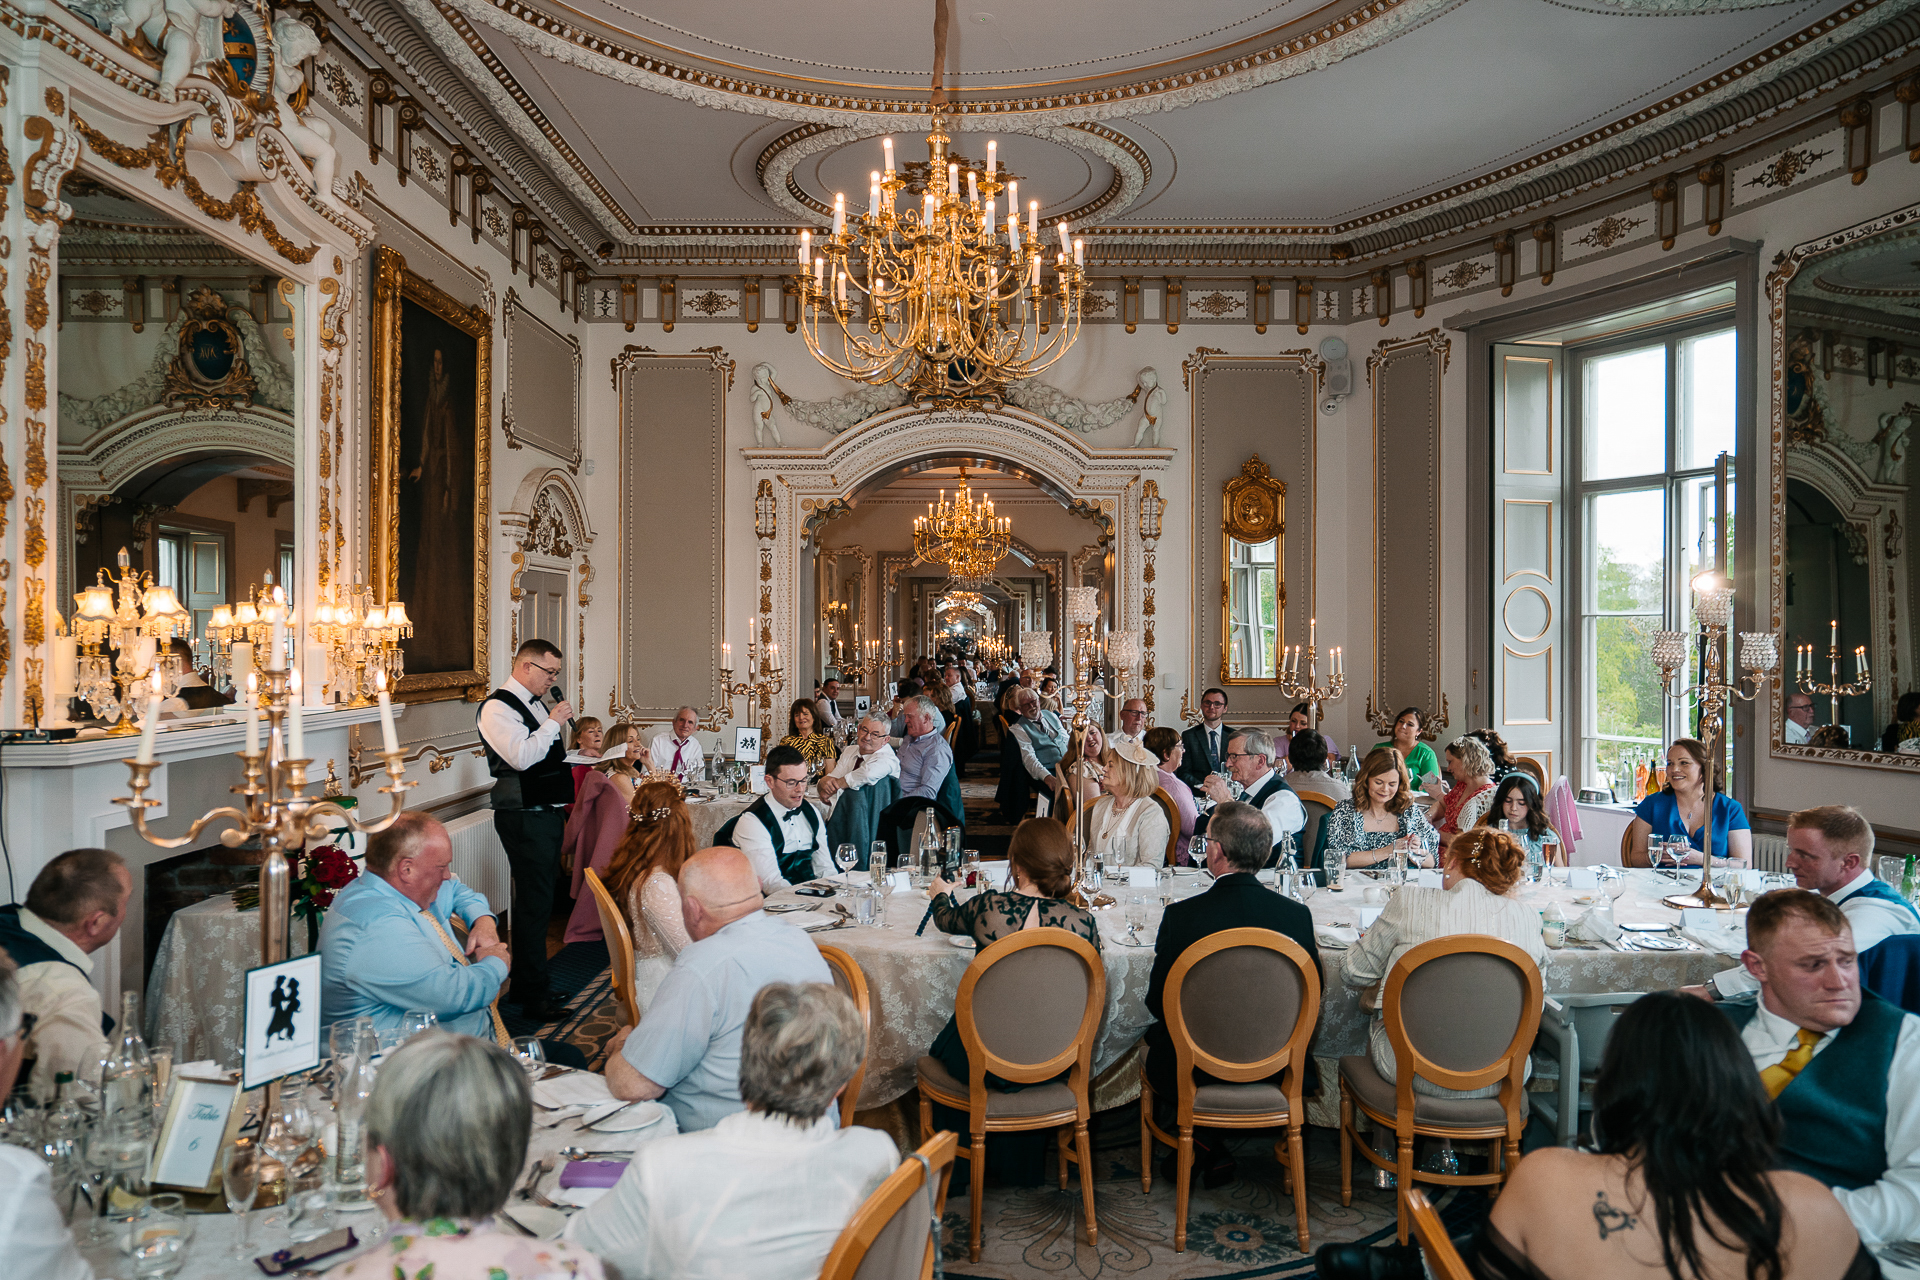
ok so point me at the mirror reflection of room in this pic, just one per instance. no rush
(1852, 383)
(176, 464)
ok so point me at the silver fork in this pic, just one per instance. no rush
(531, 1186)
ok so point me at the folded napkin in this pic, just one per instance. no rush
(576, 1088)
(1596, 924)
(592, 1173)
(1335, 935)
(1727, 939)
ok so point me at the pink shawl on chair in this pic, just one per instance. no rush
(594, 827)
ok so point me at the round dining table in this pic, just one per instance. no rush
(913, 977)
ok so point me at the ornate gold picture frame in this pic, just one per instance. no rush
(432, 433)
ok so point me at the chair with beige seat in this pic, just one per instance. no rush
(1317, 805)
(1460, 1012)
(619, 951)
(1241, 1006)
(1027, 1011)
(853, 984)
(1172, 812)
(891, 1237)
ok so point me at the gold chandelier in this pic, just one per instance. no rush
(963, 535)
(957, 304)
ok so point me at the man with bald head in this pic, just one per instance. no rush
(686, 1050)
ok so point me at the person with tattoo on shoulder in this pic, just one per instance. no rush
(1680, 1182)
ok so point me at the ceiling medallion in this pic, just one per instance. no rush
(954, 312)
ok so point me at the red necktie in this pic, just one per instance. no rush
(678, 748)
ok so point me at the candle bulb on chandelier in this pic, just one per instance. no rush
(839, 214)
(1033, 221)
(953, 178)
(819, 274)
(1079, 253)
(886, 145)
(840, 286)
(1066, 240)
(973, 188)
(806, 247)
(993, 157)
(873, 194)
(1859, 661)
(726, 655)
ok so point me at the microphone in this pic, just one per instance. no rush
(553, 691)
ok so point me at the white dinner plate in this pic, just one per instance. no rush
(629, 1119)
(544, 1223)
(963, 941)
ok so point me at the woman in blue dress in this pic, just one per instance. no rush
(1688, 809)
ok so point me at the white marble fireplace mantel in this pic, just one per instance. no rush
(60, 795)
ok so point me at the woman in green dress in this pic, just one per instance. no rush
(1406, 740)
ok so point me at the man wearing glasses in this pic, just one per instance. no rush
(868, 760)
(532, 787)
(1206, 742)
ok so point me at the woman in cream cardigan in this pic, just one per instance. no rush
(1125, 820)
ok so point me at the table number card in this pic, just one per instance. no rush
(201, 1119)
(280, 1026)
(746, 743)
(862, 705)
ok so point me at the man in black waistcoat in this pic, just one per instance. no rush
(533, 785)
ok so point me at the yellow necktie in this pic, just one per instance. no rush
(499, 1027)
(1778, 1076)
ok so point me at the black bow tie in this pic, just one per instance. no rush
(792, 814)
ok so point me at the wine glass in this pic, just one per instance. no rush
(1197, 851)
(845, 856)
(415, 1021)
(286, 1134)
(532, 1055)
(240, 1180)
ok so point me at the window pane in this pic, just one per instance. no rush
(1625, 414)
(1706, 374)
(1626, 552)
(1626, 709)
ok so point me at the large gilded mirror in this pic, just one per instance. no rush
(1846, 395)
(1253, 596)
(176, 430)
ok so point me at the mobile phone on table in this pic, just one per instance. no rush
(814, 893)
(298, 1256)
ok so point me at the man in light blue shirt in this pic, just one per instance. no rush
(386, 946)
(686, 1049)
(925, 757)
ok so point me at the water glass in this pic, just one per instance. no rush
(1165, 878)
(845, 856)
(415, 1021)
(865, 904)
(1136, 911)
(156, 1235)
(531, 1054)
(877, 860)
(1397, 868)
(1335, 864)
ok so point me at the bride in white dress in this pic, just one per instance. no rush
(642, 875)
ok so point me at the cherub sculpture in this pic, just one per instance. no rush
(294, 42)
(1151, 409)
(763, 394)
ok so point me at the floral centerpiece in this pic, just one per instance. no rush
(317, 874)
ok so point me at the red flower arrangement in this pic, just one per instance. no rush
(319, 874)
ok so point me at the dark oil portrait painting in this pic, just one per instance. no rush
(438, 384)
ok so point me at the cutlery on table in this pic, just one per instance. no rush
(531, 1185)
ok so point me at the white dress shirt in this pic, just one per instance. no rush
(1887, 1210)
(38, 1242)
(750, 837)
(507, 733)
(1797, 732)
(660, 754)
(1873, 920)
(858, 771)
(752, 1196)
(66, 1035)
(829, 711)
(1282, 808)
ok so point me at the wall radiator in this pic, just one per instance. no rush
(1769, 852)
(478, 858)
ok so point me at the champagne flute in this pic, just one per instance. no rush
(240, 1181)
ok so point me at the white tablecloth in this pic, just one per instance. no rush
(913, 981)
(710, 815)
(193, 995)
(209, 1256)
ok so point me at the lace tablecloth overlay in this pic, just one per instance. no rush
(193, 995)
(913, 981)
(710, 815)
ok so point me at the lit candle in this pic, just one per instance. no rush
(296, 724)
(873, 194)
(953, 178)
(806, 248)
(726, 655)
(973, 187)
(1313, 629)
(389, 741)
(839, 213)
(841, 286)
(887, 145)
(1079, 253)
(1833, 639)
(253, 714)
(993, 153)
(1859, 660)
(819, 274)
(1066, 242)
(773, 657)
(1013, 228)
(147, 729)
(987, 220)
(1033, 221)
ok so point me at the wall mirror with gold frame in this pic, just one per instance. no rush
(1846, 395)
(176, 426)
(1253, 589)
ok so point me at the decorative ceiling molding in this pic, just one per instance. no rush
(631, 59)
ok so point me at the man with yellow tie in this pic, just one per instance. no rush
(387, 946)
(1842, 1065)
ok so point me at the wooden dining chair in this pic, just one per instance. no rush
(1028, 1009)
(1443, 1260)
(1318, 804)
(891, 1237)
(1168, 807)
(613, 926)
(847, 977)
(1240, 1005)
(1536, 771)
(1461, 1012)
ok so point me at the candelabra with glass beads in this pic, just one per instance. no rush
(140, 618)
(362, 641)
(242, 635)
(1310, 691)
(1715, 692)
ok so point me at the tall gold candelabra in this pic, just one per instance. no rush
(764, 680)
(1311, 692)
(1832, 689)
(1715, 692)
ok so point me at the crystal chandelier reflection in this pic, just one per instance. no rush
(963, 535)
(954, 310)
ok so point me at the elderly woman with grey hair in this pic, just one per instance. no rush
(447, 1131)
(766, 1191)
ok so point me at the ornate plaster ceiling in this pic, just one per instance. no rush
(1354, 124)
